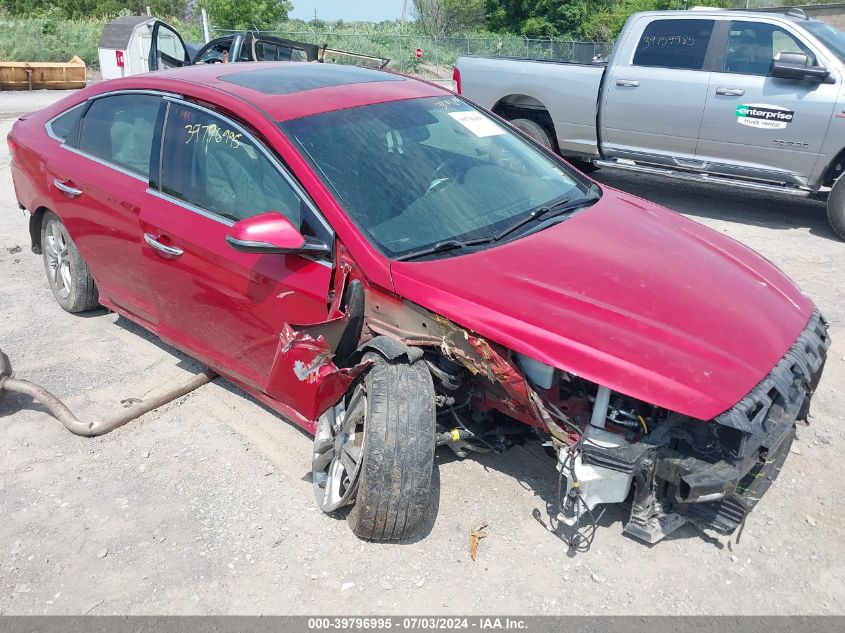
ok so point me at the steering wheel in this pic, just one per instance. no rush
(439, 177)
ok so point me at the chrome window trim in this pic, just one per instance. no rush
(105, 163)
(136, 91)
(212, 216)
(283, 171)
(190, 207)
(48, 126)
(97, 159)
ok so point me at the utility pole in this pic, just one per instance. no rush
(404, 10)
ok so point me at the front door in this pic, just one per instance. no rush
(758, 125)
(225, 307)
(654, 98)
(99, 179)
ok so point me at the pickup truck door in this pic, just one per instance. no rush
(758, 125)
(654, 96)
(167, 48)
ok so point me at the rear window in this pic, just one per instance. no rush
(674, 44)
(119, 129)
(62, 125)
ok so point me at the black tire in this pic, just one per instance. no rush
(74, 290)
(836, 207)
(394, 488)
(535, 130)
(545, 136)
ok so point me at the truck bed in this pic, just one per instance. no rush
(567, 90)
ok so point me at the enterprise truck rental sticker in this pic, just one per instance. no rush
(762, 115)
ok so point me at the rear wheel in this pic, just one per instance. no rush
(545, 136)
(538, 132)
(67, 273)
(376, 449)
(836, 207)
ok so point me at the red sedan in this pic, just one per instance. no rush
(394, 269)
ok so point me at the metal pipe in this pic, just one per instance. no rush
(92, 429)
(600, 407)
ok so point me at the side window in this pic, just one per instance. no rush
(211, 164)
(674, 44)
(63, 124)
(119, 129)
(753, 45)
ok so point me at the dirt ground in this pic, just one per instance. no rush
(204, 506)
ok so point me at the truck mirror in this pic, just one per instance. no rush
(796, 66)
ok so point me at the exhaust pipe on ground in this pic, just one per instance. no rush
(92, 429)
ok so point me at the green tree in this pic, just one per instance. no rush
(242, 14)
(94, 8)
(443, 17)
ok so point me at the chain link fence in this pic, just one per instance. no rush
(435, 56)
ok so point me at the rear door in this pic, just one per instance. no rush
(758, 125)
(654, 97)
(227, 308)
(167, 49)
(99, 179)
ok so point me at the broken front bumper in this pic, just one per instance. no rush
(718, 482)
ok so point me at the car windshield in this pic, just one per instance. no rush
(831, 37)
(417, 173)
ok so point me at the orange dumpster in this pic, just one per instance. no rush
(40, 75)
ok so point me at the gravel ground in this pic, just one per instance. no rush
(204, 506)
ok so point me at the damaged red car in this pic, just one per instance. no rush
(393, 268)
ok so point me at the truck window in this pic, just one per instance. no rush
(753, 45)
(674, 44)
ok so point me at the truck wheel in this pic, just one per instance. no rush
(836, 207)
(377, 446)
(67, 273)
(536, 131)
(544, 136)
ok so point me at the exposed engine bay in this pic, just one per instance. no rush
(668, 468)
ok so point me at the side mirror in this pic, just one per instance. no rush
(797, 66)
(272, 233)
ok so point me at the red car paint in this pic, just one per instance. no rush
(626, 294)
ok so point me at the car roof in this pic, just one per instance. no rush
(289, 90)
(736, 14)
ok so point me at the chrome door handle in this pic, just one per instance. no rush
(730, 92)
(628, 83)
(173, 251)
(67, 189)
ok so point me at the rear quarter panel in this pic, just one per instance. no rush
(29, 165)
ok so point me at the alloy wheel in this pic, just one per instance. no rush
(338, 450)
(58, 260)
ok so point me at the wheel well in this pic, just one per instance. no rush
(526, 107)
(835, 169)
(35, 221)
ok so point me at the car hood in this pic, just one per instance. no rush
(629, 295)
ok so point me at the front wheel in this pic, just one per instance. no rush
(376, 449)
(67, 273)
(836, 207)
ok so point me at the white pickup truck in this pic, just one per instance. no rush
(744, 98)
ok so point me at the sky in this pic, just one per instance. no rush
(349, 10)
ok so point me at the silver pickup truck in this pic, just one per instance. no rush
(744, 98)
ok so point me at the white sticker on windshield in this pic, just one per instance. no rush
(477, 123)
